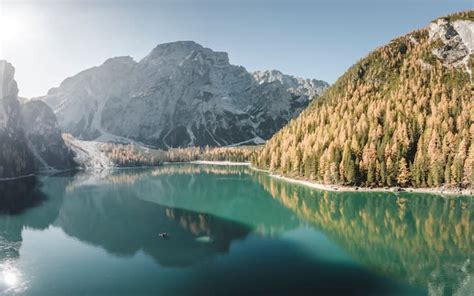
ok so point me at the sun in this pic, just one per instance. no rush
(12, 27)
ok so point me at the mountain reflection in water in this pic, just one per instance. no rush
(422, 240)
(19, 194)
(121, 223)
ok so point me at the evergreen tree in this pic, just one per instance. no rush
(403, 173)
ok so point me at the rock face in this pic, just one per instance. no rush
(15, 157)
(295, 85)
(44, 137)
(30, 138)
(181, 94)
(457, 38)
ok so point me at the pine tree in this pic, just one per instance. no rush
(403, 173)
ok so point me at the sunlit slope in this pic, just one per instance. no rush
(402, 116)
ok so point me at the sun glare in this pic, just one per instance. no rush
(11, 27)
(10, 278)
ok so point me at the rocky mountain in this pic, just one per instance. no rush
(295, 85)
(44, 137)
(15, 157)
(402, 116)
(30, 138)
(181, 94)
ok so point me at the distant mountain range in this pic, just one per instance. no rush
(181, 94)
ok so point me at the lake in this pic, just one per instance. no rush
(232, 230)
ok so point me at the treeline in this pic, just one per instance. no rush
(233, 154)
(134, 155)
(399, 117)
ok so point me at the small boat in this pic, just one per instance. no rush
(164, 234)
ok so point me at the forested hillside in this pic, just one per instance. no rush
(402, 116)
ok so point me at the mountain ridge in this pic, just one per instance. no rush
(181, 94)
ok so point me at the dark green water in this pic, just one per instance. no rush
(232, 231)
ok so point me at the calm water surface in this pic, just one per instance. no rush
(232, 231)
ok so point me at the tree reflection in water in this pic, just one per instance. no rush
(421, 238)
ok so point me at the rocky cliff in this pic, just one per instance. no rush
(30, 138)
(15, 157)
(44, 137)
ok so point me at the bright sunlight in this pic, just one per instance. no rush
(12, 27)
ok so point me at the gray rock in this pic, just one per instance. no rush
(457, 42)
(15, 157)
(44, 137)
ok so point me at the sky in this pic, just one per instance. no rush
(50, 40)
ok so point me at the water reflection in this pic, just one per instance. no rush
(19, 194)
(421, 238)
(11, 278)
(123, 224)
(228, 192)
(16, 197)
(118, 220)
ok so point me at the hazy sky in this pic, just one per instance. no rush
(49, 40)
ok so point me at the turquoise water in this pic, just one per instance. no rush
(231, 230)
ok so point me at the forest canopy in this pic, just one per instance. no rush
(399, 117)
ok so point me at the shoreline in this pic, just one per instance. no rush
(311, 184)
(17, 177)
(225, 162)
(342, 188)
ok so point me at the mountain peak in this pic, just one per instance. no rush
(123, 60)
(179, 44)
(297, 85)
(8, 86)
(179, 51)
